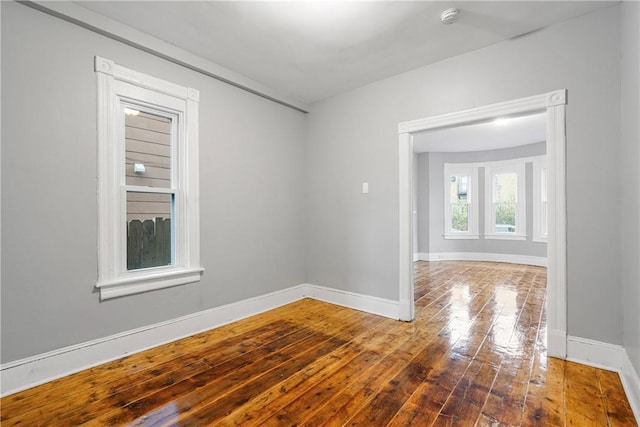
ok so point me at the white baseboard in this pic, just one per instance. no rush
(595, 353)
(375, 305)
(481, 256)
(32, 371)
(631, 384)
(610, 357)
(420, 256)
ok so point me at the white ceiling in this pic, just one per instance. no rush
(315, 49)
(492, 135)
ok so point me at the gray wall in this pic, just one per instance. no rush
(251, 190)
(630, 178)
(353, 239)
(431, 195)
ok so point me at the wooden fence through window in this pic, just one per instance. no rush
(148, 243)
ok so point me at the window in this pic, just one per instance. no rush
(505, 200)
(540, 204)
(147, 182)
(461, 201)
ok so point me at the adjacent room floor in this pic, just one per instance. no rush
(475, 355)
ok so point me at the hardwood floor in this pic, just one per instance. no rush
(475, 355)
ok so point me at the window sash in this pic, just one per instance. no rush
(460, 171)
(492, 171)
(174, 255)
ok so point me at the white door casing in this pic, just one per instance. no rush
(554, 103)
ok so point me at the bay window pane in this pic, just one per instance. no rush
(505, 196)
(459, 217)
(459, 197)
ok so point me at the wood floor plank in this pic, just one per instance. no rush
(292, 398)
(619, 412)
(223, 344)
(207, 387)
(505, 402)
(357, 394)
(190, 374)
(545, 399)
(474, 355)
(157, 375)
(255, 387)
(468, 399)
(86, 381)
(584, 403)
(465, 403)
(432, 395)
(425, 404)
(388, 401)
(545, 402)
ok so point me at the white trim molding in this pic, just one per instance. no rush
(554, 104)
(32, 371)
(119, 87)
(482, 256)
(631, 383)
(405, 236)
(514, 107)
(610, 357)
(380, 306)
(556, 339)
(540, 199)
(595, 353)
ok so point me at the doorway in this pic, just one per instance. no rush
(553, 104)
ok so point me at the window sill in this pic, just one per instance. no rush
(461, 236)
(505, 236)
(147, 282)
(540, 239)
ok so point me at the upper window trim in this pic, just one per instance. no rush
(116, 83)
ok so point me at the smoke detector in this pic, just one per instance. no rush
(449, 16)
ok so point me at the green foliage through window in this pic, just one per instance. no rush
(460, 216)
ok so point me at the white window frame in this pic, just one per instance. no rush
(540, 199)
(118, 85)
(510, 166)
(471, 170)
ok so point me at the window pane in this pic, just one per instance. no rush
(459, 217)
(505, 187)
(505, 196)
(505, 217)
(149, 237)
(147, 148)
(459, 196)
